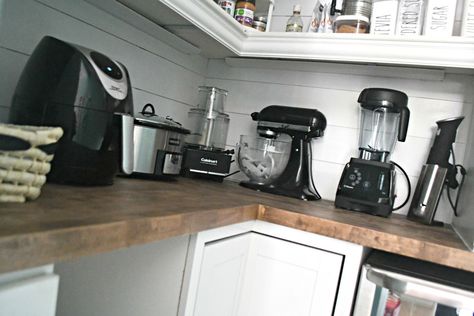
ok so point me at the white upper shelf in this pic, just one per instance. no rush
(420, 51)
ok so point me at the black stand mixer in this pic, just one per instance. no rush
(301, 125)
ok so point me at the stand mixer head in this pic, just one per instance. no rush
(276, 119)
(301, 125)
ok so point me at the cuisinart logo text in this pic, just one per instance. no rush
(207, 161)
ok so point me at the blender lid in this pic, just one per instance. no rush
(148, 117)
(393, 100)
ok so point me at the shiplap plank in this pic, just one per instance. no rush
(87, 14)
(339, 107)
(21, 31)
(454, 87)
(11, 65)
(163, 106)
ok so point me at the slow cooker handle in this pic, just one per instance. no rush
(126, 127)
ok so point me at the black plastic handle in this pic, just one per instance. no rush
(148, 113)
(443, 142)
(403, 124)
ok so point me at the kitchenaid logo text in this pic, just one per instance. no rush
(207, 161)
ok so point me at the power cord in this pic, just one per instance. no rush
(457, 168)
(408, 183)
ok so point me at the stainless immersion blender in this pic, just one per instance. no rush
(437, 173)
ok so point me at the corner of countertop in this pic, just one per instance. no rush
(261, 209)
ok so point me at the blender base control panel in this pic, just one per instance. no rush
(367, 180)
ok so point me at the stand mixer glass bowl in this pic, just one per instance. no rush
(262, 159)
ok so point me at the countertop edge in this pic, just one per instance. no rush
(371, 238)
(20, 251)
(23, 251)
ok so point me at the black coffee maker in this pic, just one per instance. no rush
(302, 125)
(368, 183)
(78, 89)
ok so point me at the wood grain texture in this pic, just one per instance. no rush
(67, 222)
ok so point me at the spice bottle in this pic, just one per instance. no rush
(244, 11)
(295, 22)
(228, 6)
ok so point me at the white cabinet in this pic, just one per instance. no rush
(222, 271)
(425, 51)
(31, 292)
(258, 268)
(285, 278)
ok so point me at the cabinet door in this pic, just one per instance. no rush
(34, 296)
(221, 275)
(289, 279)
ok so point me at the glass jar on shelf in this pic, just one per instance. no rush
(351, 24)
(244, 12)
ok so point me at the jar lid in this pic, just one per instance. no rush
(258, 23)
(362, 18)
(261, 18)
(251, 1)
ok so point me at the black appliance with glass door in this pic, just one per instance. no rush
(78, 89)
(367, 183)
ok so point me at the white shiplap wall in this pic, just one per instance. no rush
(437, 97)
(160, 74)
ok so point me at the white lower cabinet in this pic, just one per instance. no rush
(31, 292)
(285, 278)
(262, 269)
(222, 271)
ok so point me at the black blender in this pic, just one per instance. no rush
(368, 183)
(279, 160)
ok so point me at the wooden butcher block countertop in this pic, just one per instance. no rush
(67, 222)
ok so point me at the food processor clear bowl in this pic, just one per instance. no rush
(262, 159)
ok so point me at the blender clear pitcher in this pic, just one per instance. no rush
(383, 121)
(378, 133)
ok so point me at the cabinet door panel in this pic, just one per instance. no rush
(221, 275)
(30, 297)
(289, 279)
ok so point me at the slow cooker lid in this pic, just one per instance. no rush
(148, 117)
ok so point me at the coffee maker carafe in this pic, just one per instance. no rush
(368, 183)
